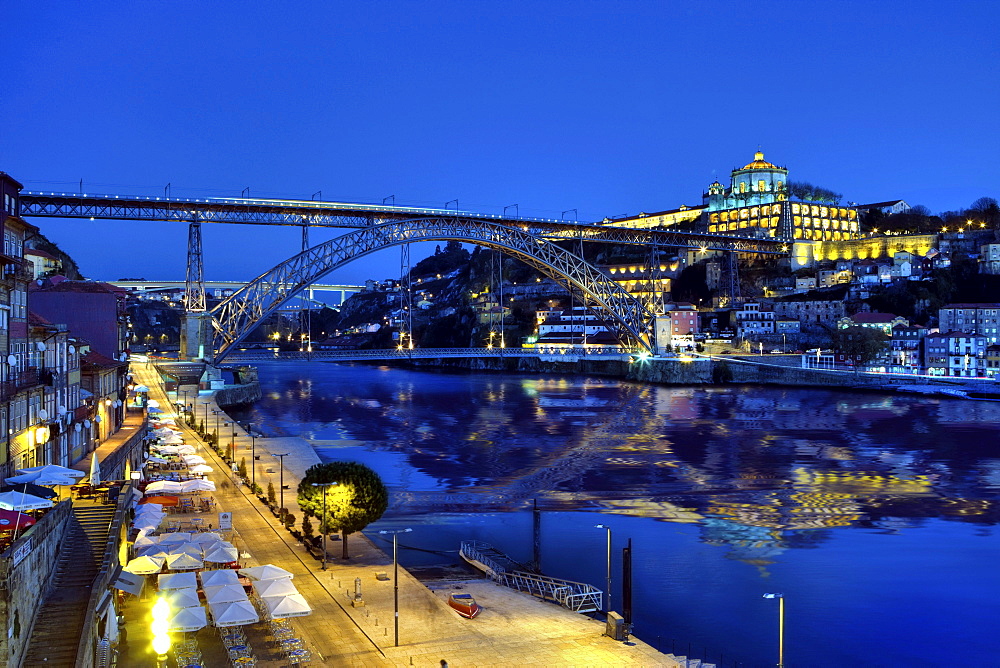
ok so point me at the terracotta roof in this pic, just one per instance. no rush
(94, 358)
(35, 320)
(78, 286)
(39, 253)
(957, 335)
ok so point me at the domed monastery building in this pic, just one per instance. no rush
(756, 204)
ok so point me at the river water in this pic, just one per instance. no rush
(875, 515)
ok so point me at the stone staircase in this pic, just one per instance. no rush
(55, 637)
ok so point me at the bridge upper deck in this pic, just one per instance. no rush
(253, 211)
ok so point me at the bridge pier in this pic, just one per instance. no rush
(196, 337)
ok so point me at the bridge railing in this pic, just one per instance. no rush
(381, 354)
(576, 596)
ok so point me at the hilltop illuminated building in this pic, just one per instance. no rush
(756, 204)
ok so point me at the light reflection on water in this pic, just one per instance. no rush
(873, 513)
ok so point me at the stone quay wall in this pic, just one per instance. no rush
(26, 570)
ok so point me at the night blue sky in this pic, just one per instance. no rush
(604, 107)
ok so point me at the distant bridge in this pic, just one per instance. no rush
(217, 287)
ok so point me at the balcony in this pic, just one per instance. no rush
(15, 270)
(21, 381)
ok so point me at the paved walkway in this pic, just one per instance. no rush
(513, 630)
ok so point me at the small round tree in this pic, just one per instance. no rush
(358, 499)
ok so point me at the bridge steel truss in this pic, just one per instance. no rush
(307, 214)
(237, 316)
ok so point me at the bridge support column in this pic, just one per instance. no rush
(196, 336)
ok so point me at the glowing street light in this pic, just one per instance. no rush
(781, 627)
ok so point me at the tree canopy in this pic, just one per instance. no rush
(803, 190)
(358, 499)
(861, 344)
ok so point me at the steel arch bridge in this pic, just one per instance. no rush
(237, 316)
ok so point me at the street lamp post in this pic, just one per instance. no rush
(253, 455)
(324, 485)
(232, 442)
(395, 579)
(281, 483)
(608, 596)
(216, 412)
(781, 627)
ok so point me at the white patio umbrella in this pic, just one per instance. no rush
(154, 409)
(192, 460)
(197, 485)
(237, 613)
(206, 538)
(224, 594)
(220, 553)
(184, 562)
(282, 587)
(172, 439)
(293, 605)
(183, 598)
(186, 449)
(162, 487)
(194, 549)
(154, 403)
(159, 551)
(168, 581)
(145, 565)
(95, 470)
(226, 576)
(155, 512)
(39, 478)
(200, 468)
(188, 619)
(153, 459)
(176, 537)
(53, 469)
(265, 572)
(166, 421)
(145, 541)
(148, 522)
(166, 449)
(21, 501)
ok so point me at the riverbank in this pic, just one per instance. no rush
(781, 370)
(518, 630)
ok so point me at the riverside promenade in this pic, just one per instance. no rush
(514, 629)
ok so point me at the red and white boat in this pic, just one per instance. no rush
(464, 605)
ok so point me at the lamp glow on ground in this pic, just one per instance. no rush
(159, 626)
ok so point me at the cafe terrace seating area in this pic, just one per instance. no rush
(188, 560)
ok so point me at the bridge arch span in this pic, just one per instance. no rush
(237, 316)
